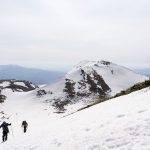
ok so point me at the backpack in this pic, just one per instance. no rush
(5, 129)
(24, 123)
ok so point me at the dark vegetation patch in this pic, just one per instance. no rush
(69, 88)
(134, 88)
(59, 105)
(41, 93)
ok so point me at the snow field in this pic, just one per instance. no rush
(122, 123)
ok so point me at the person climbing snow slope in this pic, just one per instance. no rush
(5, 129)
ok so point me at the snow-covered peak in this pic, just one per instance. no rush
(87, 63)
(86, 66)
(114, 75)
(92, 80)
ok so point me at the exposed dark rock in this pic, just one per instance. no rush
(2, 98)
(83, 73)
(17, 85)
(105, 62)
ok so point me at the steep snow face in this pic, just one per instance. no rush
(93, 79)
(122, 123)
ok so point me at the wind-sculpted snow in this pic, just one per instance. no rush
(122, 123)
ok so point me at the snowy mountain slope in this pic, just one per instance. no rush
(122, 123)
(92, 80)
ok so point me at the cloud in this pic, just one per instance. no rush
(67, 31)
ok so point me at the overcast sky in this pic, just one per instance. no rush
(60, 33)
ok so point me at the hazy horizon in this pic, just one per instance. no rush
(66, 68)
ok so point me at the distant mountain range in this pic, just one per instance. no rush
(37, 76)
(144, 71)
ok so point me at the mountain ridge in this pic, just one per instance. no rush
(37, 76)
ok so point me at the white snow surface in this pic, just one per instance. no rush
(122, 123)
(4, 84)
(20, 83)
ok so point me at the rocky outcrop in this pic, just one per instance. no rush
(15, 86)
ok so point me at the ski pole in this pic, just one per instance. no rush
(12, 131)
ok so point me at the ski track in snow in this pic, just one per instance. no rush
(122, 123)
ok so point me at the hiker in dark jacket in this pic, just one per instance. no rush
(24, 125)
(4, 126)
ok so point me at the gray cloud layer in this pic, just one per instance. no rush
(46, 33)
